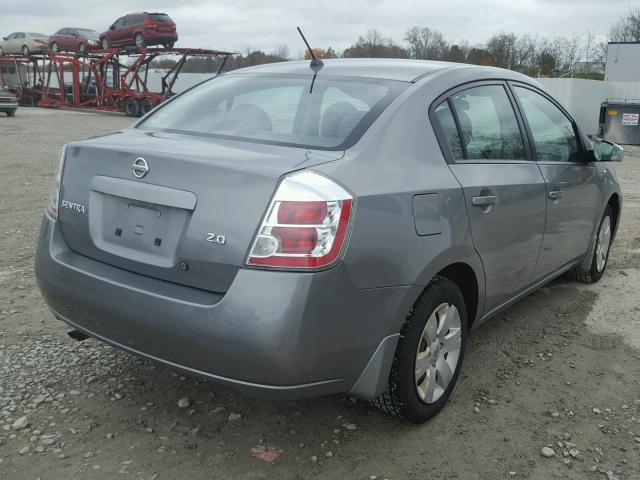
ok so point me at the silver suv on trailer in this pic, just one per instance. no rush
(295, 235)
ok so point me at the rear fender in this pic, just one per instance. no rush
(455, 254)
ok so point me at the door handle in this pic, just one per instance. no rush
(484, 200)
(555, 194)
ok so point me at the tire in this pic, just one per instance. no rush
(25, 51)
(131, 107)
(169, 45)
(139, 40)
(146, 104)
(600, 255)
(11, 113)
(105, 43)
(82, 49)
(55, 47)
(418, 397)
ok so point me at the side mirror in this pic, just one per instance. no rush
(604, 151)
(5, 38)
(112, 27)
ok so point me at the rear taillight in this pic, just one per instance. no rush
(151, 25)
(55, 194)
(305, 225)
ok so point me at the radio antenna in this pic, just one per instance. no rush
(316, 64)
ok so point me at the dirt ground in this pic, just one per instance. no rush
(560, 369)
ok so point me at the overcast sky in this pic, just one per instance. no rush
(263, 24)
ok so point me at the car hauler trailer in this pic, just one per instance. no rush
(114, 80)
(23, 77)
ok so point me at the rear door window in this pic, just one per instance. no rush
(554, 135)
(488, 126)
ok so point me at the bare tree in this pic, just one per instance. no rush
(502, 48)
(627, 28)
(426, 43)
(281, 51)
(524, 54)
(568, 50)
(374, 45)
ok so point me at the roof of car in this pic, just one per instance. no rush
(387, 68)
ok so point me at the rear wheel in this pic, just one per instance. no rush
(140, 41)
(145, 105)
(105, 43)
(54, 47)
(25, 51)
(131, 107)
(169, 45)
(82, 49)
(429, 354)
(11, 113)
(600, 255)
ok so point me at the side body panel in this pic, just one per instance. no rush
(571, 218)
(508, 234)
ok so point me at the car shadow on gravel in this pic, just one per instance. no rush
(107, 405)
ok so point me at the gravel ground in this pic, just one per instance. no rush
(550, 388)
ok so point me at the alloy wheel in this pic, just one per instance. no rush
(438, 352)
(602, 245)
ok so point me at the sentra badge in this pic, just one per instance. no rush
(74, 207)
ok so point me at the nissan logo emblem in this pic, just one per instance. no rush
(140, 167)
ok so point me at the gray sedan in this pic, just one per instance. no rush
(23, 43)
(295, 234)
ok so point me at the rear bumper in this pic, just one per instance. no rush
(272, 334)
(152, 36)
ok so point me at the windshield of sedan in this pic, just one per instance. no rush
(279, 109)
(84, 32)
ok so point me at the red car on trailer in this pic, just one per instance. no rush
(141, 30)
(74, 40)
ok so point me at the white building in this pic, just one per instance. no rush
(623, 62)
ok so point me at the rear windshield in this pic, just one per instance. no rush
(159, 17)
(279, 109)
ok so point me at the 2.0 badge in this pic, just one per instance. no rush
(216, 238)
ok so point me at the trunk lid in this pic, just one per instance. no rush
(192, 214)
